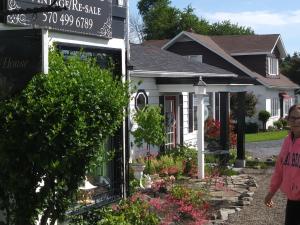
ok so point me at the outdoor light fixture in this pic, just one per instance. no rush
(200, 87)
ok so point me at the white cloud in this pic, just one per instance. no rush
(257, 19)
(265, 22)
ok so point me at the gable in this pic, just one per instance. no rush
(191, 47)
(220, 58)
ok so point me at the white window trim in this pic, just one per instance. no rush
(275, 107)
(270, 68)
(195, 58)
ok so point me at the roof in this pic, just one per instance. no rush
(157, 43)
(154, 59)
(234, 44)
(212, 43)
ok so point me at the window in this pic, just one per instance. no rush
(121, 2)
(105, 173)
(272, 66)
(195, 112)
(195, 58)
(275, 106)
(192, 113)
(141, 100)
(287, 104)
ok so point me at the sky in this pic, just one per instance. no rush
(263, 16)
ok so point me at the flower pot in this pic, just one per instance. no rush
(138, 170)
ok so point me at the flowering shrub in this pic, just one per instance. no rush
(187, 156)
(134, 211)
(212, 131)
(185, 205)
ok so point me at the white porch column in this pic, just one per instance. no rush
(200, 91)
(213, 107)
(45, 51)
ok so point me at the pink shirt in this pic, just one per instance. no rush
(287, 169)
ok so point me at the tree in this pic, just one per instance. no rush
(151, 128)
(227, 28)
(189, 20)
(136, 28)
(49, 134)
(250, 103)
(290, 67)
(162, 21)
(145, 6)
(264, 116)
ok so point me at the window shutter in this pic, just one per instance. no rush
(181, 118)
(191, 112)
(162, 105)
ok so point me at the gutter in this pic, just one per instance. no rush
(146, 73)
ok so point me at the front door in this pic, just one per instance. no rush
(170, 121)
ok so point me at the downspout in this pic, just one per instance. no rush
(127, 111)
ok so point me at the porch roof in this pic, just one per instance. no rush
(151, 61)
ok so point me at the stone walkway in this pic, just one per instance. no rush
(256, 213)
(228, 195)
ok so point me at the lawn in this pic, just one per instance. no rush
(266, 136)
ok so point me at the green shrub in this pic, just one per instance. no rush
(278, 124)
(264, 116)
(284, 122)
(272, 128)
(182, 152)
(133, 211)
(214, 170)
(52, 131)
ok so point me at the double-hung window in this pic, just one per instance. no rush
(287, 104)
(192, 112)
(273, 68)
(275, 106)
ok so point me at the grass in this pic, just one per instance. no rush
(259, 165)
(266, 136)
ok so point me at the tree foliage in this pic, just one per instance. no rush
(227, 28)
(49, 134)
(151, 128)
(250, 104)
(264, 116)
(290, 67)
(163, 21)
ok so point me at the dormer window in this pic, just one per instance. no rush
(273, 68)
(195, 58)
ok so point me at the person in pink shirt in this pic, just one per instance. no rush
(286, 175)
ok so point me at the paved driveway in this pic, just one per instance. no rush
(264, 149)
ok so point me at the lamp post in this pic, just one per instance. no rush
(200, 92)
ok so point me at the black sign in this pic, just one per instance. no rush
(20, 59)
(87, 17)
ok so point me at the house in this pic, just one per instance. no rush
(100, 31)
(253, 56)
(168, 79)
